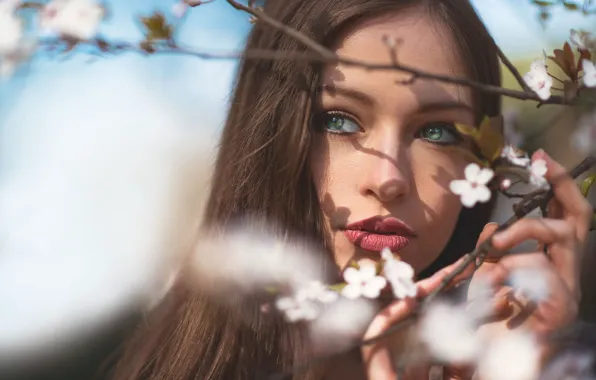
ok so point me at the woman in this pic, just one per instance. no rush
(319, 149)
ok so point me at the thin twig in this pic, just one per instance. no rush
(529, 203)
(511, 67)
(328, 56)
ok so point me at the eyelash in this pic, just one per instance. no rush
(450, 126)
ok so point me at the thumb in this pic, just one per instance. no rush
(488, 231)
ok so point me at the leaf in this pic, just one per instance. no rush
(271, 289)
(569, 60)
(542, 3)
(559, 59)
(586, 184)
(490, 137)
(583, 54)
(593, 226)
(30, 5)
(570, 6)
(338, 287)
(466, 130)
(157, 27)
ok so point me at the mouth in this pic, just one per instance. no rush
(376, 233)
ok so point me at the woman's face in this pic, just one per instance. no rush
(386, 148)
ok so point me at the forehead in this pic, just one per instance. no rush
(423, 43)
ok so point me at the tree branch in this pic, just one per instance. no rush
(532, 201)
(328, 56)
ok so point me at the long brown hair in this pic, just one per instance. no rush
(262, 169)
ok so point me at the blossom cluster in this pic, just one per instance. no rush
(474, 188)
(74, 20)
(540, 80)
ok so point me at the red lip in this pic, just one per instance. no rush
(376, 233)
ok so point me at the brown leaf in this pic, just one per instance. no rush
(490, 138)
(569, 60)
(559, 59)
(157, 27)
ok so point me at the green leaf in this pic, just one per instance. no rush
(586, 184)
(271, 289)
(338, 287)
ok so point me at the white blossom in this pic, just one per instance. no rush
(582, 40)
(11, 30)
(449, 333)
(589, 77)
(399, 274)
(296, 310)
(515, 156)
(506, 183)
(510, 356)
(180, 8)
(306, 302)
(363, 282)
(538, 79)
(248, 258)
(531, 282)
(316, 291)
(341, 323)
(584, 136)
(473, 189)
(13, 47)
(77, 19)
(537, 171)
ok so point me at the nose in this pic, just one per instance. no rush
(387, 172)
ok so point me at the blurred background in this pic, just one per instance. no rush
(94, 152)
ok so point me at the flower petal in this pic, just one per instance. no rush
(471, 172)
(404, 270)
(285, 303)
(485, 176)
(367, 271)
(352, 291)
(372, 289)
(460, 186)
(483, 194)
(352, 275)
(469, 199)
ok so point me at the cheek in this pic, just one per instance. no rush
(433, 170)
(333, 176)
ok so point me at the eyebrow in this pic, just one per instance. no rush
(425, 107)
(348, 92)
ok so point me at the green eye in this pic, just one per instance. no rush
(338, 123)
(439, 133)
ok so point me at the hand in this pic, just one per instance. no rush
(378, 357)
(564, 232)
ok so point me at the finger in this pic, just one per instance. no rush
(500, 273)
(567, 193)
(400, 309)
(488, 231)
(558, 233)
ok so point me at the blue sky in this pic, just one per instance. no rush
(200, 87)
(76, 139)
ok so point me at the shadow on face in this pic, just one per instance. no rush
(384, 146)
